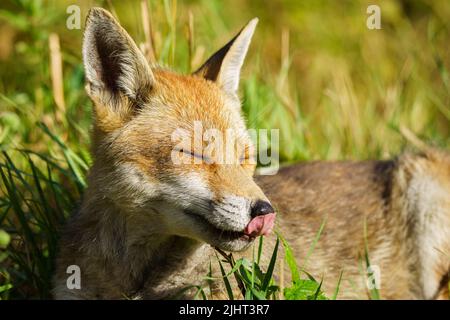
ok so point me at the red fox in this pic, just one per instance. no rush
(147, 226)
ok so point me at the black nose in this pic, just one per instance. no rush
(261, 208)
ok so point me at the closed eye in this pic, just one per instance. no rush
(191, 153)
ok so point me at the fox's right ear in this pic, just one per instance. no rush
(113, 64)
(224, 67)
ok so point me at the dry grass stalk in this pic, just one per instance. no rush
(149, 46)
(57, 75)
(190, 38)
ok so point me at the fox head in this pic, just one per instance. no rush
(145, 121)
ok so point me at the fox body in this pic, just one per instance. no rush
(146, 226)
(404, 206)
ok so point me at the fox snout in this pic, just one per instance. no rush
(229, 213)
(263, 219)
(261, 208)
(239, 220)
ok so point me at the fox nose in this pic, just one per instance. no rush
(261, 208)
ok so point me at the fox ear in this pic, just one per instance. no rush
(224, 67)
(112, 61)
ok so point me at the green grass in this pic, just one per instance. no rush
(257, 282)
(334, 89)
(35, 201)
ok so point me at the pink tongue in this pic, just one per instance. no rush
(260, 225)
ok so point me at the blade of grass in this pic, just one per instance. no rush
(316, 294)
(336, 291)
(225, 280)
(289, 256)
(260, 247)
(271, 267)
(313, 245)
(374, 293)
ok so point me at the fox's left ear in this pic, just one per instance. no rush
(224, 67)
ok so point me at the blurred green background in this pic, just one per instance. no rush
(334, 88)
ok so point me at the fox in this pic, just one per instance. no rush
(147, 227)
